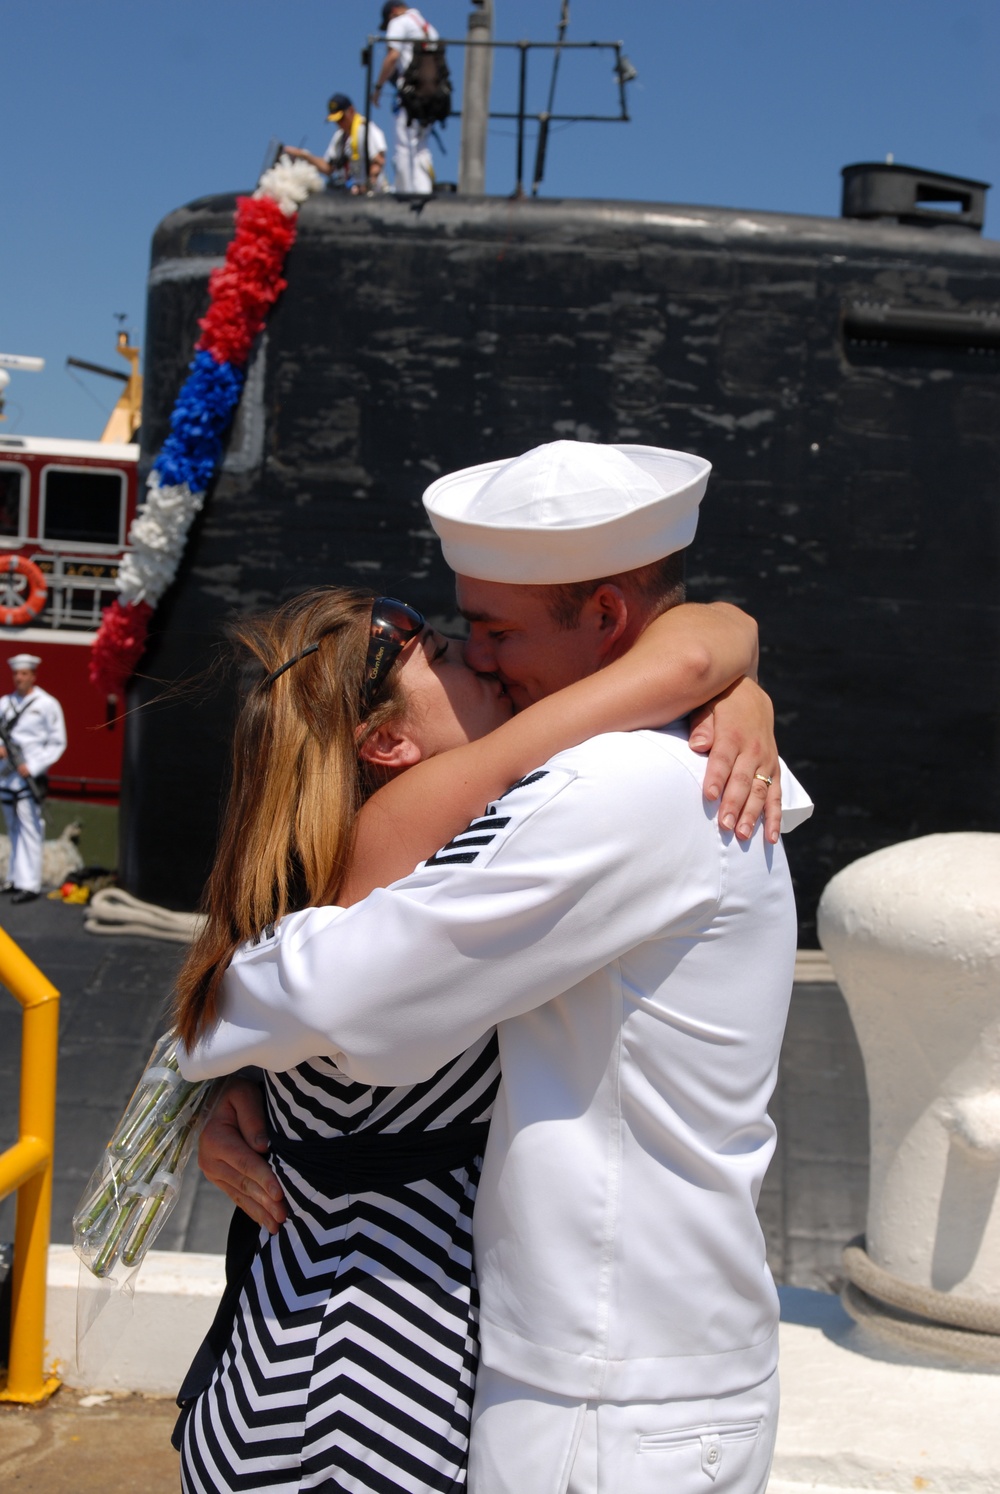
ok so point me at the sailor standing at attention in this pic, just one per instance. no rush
(33, 720)
(636, 956)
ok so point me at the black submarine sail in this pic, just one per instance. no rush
(841, 375)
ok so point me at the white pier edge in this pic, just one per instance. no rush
(850, 1423)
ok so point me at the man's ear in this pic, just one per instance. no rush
(606, 612)
(390, 748)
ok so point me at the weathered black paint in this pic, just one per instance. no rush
(853, 507)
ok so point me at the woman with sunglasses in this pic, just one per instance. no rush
(344, 1353)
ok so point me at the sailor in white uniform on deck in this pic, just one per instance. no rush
(33, 720)
(637, 959)
(403, 26)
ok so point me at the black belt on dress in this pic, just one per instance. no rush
(370, 1161)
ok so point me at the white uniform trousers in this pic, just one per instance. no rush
(26, 829)
(530, 1441)
(412, 159)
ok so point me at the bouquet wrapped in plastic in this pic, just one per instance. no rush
(135, 1185)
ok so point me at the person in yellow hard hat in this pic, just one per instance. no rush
(344, 161)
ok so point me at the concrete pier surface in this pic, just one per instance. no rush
(116, 993)
(87, 1444)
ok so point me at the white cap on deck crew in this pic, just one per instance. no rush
(23, 661)
(567, 511)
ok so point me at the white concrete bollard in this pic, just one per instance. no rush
(913, 935)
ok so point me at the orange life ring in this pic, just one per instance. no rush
(31, 587)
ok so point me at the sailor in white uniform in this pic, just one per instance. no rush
(403, 26)
(34, 721)
(637, 958)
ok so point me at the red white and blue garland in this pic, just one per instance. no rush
(241, 293)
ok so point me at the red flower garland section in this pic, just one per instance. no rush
(241, 293)
(245, 288)
(118, 646)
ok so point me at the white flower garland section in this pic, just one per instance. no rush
(159, 531)
(290, 183)
(156, 541)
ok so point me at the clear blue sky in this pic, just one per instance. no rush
(117, 111)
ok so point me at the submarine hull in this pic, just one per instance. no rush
(842, 377)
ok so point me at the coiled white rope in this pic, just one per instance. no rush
(115, 911)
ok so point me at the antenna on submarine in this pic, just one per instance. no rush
(543, 119)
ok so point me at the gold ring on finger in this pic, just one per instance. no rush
(764, 778)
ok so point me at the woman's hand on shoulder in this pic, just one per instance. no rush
(736, 729)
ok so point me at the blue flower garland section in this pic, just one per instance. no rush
(204, 407)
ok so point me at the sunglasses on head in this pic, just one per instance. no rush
(393, 625)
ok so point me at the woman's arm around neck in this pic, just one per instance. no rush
(684, 658)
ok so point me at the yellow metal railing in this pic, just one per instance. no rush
(27, 1167)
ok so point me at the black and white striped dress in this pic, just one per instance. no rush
(352, 1361)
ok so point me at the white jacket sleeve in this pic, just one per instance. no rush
(598, 852)
(560, 876)
(591, 856)
(395, 986)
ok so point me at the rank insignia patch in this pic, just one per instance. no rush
(482, 832)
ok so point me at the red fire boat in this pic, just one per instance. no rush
(65, 511)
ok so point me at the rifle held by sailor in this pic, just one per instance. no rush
(16, 759)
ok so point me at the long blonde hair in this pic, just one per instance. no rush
(298, 782)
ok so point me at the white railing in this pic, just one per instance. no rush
(79, 589)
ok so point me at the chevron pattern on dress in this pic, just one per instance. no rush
(352, 1363)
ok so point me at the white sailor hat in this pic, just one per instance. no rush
(567, 511)
(24, 661)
